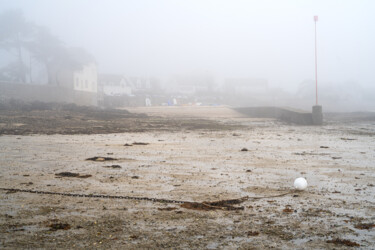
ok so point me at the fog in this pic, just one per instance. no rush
(268, 40)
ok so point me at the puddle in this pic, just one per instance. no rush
(59, 226)
(70, 174)
(215, 205)
(112, 166)
(99, 158)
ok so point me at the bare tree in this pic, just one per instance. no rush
(15, 33)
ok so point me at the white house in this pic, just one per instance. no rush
(86, 79)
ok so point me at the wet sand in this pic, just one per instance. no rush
(206, 163)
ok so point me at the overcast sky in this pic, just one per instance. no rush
(272, 39)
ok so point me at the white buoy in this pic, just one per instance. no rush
(300, 183)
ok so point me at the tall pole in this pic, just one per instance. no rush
(316, 63)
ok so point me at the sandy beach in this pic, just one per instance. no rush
(193, 154)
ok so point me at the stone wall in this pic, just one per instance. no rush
(46, 93)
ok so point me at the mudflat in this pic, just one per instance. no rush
(183, 177)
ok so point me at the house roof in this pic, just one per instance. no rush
(109, 78)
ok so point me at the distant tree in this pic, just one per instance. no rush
(13, 72)
(77, 57)
(15, 33)
(48, 50)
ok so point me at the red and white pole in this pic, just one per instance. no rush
(316, 63)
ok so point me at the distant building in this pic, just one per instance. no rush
(114, 85)
(142, 85)
(81, 81)
(252, 86)
(66, 85)
(191, 84)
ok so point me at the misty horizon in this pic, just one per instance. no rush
(268, 40)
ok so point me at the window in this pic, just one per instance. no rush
(86, 84)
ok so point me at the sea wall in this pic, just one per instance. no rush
(285, 114)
